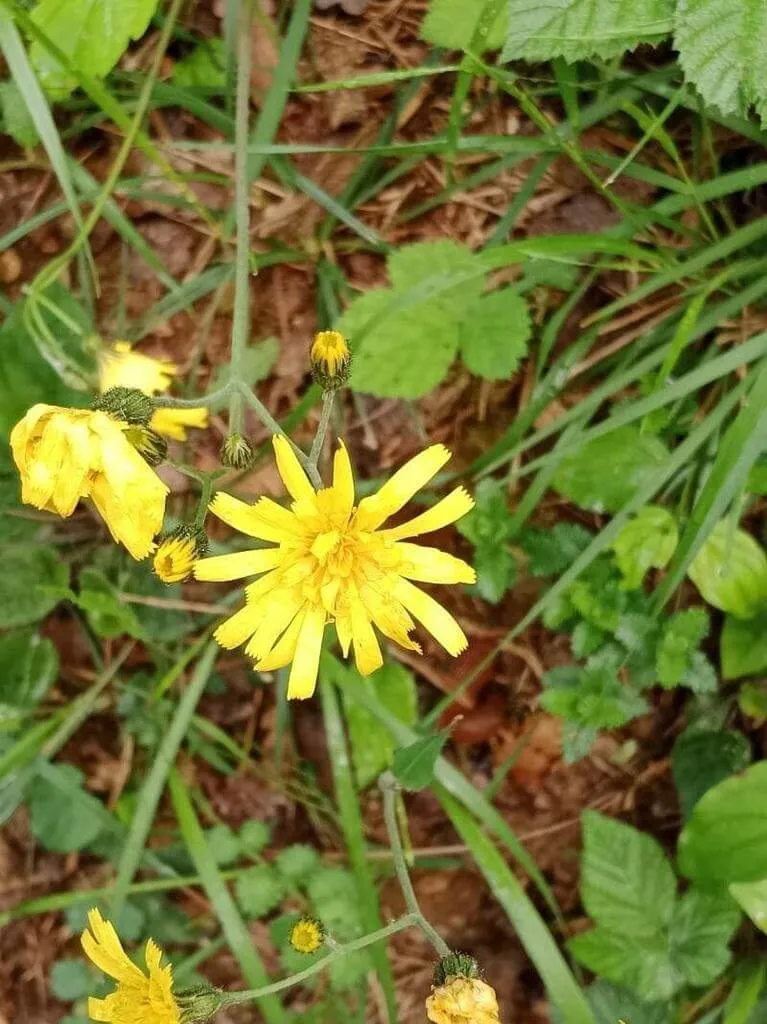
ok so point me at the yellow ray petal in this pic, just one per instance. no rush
(343, 480)
(438, 620)
(453, 506)
(237, 628)
(284, 650)
(367, 652)
(306, 663)
(400, 488)
(276, 612)
(238, 565)
(265, 520)
(430, 565)
(173, 423)
(101, 1009)
(102, 946)
(295, 479)
(344, 633)
(390, 617)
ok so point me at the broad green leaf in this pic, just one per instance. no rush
(205, 66)
(640, 964)
(494, 334)
(70, 979)
(259, 890)
(496, 571)
(371, 743)
(223, 844)
(725, 839)
(752, 700)
(646, 542)
(681, 635)
(487, 526)
(28, 665)
(16, 120)
(107, 614)
(626, 879)
(752, 898)
(554, 550)
(30, 584)
(297, 862)
(606, 474)
(730, 571)
(92, 33)
(721, 48)
(701, 928)
(58, 823)
(452, 23)
(254, 836)
(743, 646)
(414, 765)
(412, 264)
(611, 1004)
(575, 29)
(702, 758)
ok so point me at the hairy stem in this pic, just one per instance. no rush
(328, 399)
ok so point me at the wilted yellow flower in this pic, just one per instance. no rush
(330, 359)
(463, 1001)
(121, 366)
(177, 552)
(139, 998)
(66, 454)
(307, 935)
(334, 563)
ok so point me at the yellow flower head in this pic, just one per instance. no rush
(139, 998)
(463, 1001)
(121, 366)
(66, 454)
(333, 562)
(307, 935)
(177, 552)
(330, 359)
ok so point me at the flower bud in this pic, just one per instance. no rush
(127, 404)
(459, 995)
(178, 551)
(330, 360)
(456, 965)
(148, 443)
(307, 935)
(199, 1004)
(237, 452)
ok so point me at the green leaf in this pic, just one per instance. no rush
(349, 971)
(488, 522)
(414, 765)
(372, 746)
(701, 928)
(757, 477)
(587, 639)
(702, 758)
(107, 615)
(496, 571)
(743, 646)
(592, 697)
(254, 836)
(626, 879)
(30, 584)
(59, 825)
(412, 264)
(452, 23)
(259, 890)
(92, 33)
(679, 640)
(752, 700)
(552, 551)
(297, 862)
(607, 473)
(646, 542)
(575, 29)
(70, 979)
(494, 334)
(725, 839)
(16, 119)
(752, 898)
(750, 975)
(29, 664)
(640, 964)
(721, 48)
(611, 1004)
(730, 571)
(205, 66)
(257, 363)
(224, 845)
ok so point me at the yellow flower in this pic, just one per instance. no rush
(307, 935)
(177, 552)
(463, 1001)
(334, 563)
(330, 359)
(139, 998)
(121, 366)
(66, 454)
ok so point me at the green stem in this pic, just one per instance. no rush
(407, 921)
(328, 399)
(206, 488)
(209, 400)
(271, 424)
(388, 786)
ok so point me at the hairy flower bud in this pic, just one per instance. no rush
(237, 452)
(199, 1004)
(462, 1000)
(178, 551)
(127, 404)
(330, 359)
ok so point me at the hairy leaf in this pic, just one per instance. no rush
(702, 758)
(679, 640)
(494, 334)
(452, 23)
(553, 550)
(646, 542)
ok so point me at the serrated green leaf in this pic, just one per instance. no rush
(701, 676)
(414, 765)
(29, 664)
(16, 119)
(297, 862)
(349, 971)
(575, 29)
(702, 758)
(259, 890)
(70, 979)
(30, 584)
(640, 964)
(494, 334)
(371, 743)
(586, 639)
(591, 697)
(752, 898)
(92, 33)
(626, 879)
(701, 928)
(605, 474)
(496, 571)
(452, 23)
(254, 836)
(412, 264)
(680, 638)
(646, 542)
(552, 551)
(224, 845)
(57, 823)
(725, 839)
(204, 67)
(488, 522)
(611, 1004)
(730, 571)
(721, 48)
(743, 646)
(107, 615)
